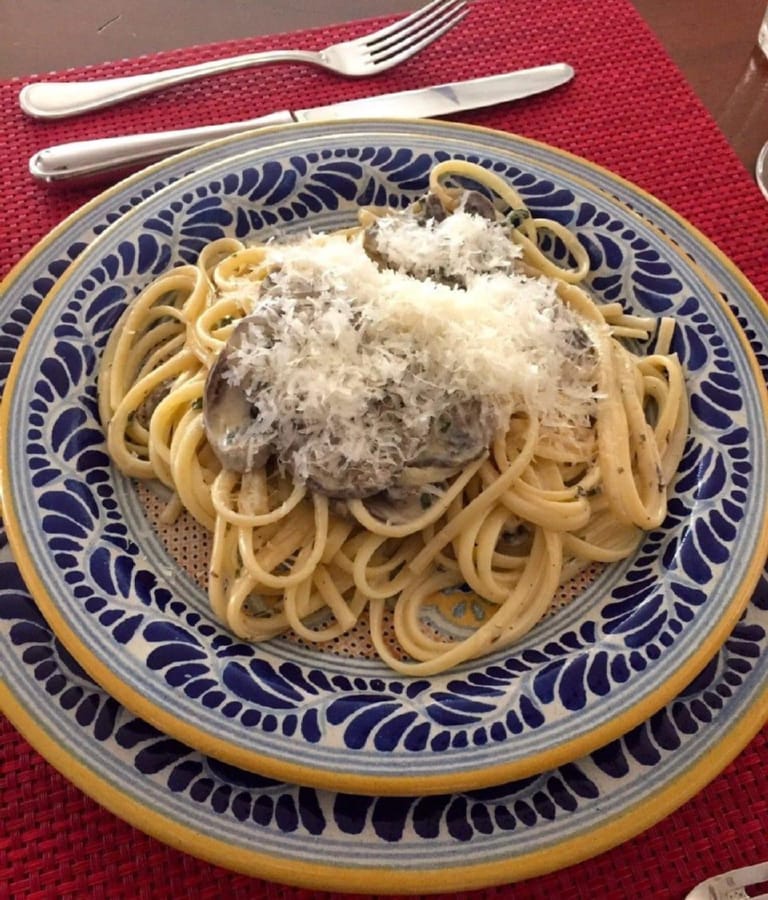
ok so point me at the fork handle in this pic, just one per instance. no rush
(57, 99)
(90, 160)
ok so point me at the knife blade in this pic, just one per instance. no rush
(91, 159)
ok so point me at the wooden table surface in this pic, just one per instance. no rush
(712, 41)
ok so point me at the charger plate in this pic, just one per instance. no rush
(445, 842)
(139, 624)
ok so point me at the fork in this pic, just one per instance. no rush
(367, 55)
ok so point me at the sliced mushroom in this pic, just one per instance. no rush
(228, 413)
(462, 431)
(342, 480)
(476, 204)
(459, 435)
(338, 476)
(371, 247)
(147, 408)
(395, 507)
(431, 209)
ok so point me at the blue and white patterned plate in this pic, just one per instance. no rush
(141, 627)
(324, 839)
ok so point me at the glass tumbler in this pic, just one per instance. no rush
(761, 166)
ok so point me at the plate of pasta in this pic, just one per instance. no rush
(390, 459)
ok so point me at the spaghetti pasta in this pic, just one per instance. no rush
(366, 419)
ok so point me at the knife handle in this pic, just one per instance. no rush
(89, 160)
(56, 99)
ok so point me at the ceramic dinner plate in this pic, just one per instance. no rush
(138, 622)
(332, 840)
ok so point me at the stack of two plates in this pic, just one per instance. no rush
(327, 769)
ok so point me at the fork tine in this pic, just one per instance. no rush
(392, 58)
(415, 17)
(417, 29)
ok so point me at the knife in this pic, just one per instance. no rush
(93, 158)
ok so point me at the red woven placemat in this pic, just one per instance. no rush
(628, 109)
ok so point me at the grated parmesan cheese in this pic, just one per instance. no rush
(356, 371)
(457, 247)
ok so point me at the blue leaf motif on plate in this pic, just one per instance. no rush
(158, 755)
(72, 360)
(709, 543)
(69, 506)
(375, 718)
(411, 176)
(389, 815)
(113, 574)
(105, 308)
(340, 176)
(257, 183)
(57, 375)
(691, 559)
(657, 278)
(260, 684)
(710, 476)
(613, 254)
(691, 347)
(65, 424)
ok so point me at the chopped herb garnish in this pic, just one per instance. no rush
(516, 217)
